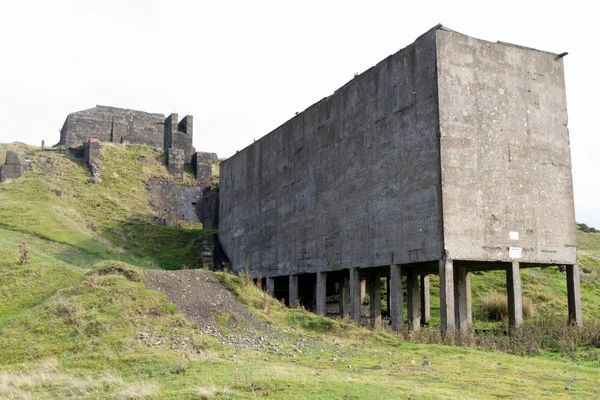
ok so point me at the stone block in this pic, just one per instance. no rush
(202, 164)
(176, 161)
(14, 166)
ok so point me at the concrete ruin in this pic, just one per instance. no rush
(450, 156)
(118, 125)
(14, 166)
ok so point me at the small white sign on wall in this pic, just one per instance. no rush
(514, 252)
(513, 235)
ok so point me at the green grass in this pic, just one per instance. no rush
(112, 219)
(78, 322)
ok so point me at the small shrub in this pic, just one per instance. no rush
(25, 256)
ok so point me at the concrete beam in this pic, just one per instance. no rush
(447, 296)
(413, 301)
(293, 291)
(462, 299)
(574, 295)
(321, 293)
(425, 300)
(355, 295)
(344, 297)
(396, 300)
(271, 286)
(515, 298)
(375, 301)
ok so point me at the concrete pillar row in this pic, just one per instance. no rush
(293, 291)
(396, 300)
(355, 295)
(447, 296)
(425, 300)
(574, 295)
(515, 298)
(321, 293)
(270, 286)
(375, 300)
(462, 299)
(413, 300)
(344, 297)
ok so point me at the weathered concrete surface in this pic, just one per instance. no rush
(176, 162)
(210, 207)
(207, 253)
(506, 165)
(514, 295)
(179, 135)
(202, 164)
(350, 181)
(355, 300)
(396, 298)
(112, 124)
(14, 166)
(118, 125)
(91, 151)
(321, 293)
(574, 295)
(173, 203)
(425, 300)
(413, 301)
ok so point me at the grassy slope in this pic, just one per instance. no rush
(112, 219)
(69, 330)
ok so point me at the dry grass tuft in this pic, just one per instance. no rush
(495, 307)
(211, 392)
(140, 391)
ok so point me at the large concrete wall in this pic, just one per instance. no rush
(119, 125)
(505, 152)
(111, 124)
(352, 181)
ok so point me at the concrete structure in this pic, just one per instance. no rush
(447, 157)
(112, 124)
(14, 166)
(202, 164)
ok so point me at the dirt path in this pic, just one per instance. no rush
(206, 302)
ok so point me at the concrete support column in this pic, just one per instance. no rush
(574, 295)
(425, 300)
(375, 301)
(462, 299)
(447, 296)
(270, 286)
(515, 299)
(387, 298)
(344, 297)
(355, 295)
(321, 293)
(413, 301)
(396, 300)
(293, 291)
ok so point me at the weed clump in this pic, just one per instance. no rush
(24, 251)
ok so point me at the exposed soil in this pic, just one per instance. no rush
(207, 303)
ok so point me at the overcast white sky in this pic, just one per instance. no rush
(242, 68)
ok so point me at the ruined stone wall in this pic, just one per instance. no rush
(352, 181)
(173, 203)
(506, 167)
(111, 124)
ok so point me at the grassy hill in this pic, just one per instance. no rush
(78, 321)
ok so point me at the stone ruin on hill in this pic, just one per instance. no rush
(14, 166)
